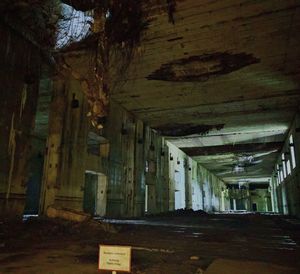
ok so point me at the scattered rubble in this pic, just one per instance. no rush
(79, 217)
(181, 213)
(67, 214)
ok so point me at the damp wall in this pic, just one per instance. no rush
(19, 77)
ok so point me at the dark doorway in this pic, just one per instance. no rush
(231, 204)
(240, 204)
(254, 207)
(34, 185)
(90, 193)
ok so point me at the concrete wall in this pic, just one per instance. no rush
(262, 199)
(136, 163)
(131, 144)
(193, 186)
(67, 158)
(74, 155)
(19, 78)
(286, 194)
(121, 132)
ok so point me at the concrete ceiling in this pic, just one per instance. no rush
(223, 81)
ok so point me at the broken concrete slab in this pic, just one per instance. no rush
(79, 217)
(67, 214)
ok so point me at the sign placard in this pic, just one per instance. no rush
(115, 258)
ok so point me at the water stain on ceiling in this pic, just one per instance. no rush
(203, 67)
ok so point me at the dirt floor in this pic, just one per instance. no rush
(179, 243)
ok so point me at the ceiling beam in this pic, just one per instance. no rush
(237, 148)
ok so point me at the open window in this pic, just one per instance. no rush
(292, 149)
(283, 165)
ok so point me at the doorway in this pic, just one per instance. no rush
(179, 190)
(95, 193)
(146, 198)
(254, 207)
(34, 182)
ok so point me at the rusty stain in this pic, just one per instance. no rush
(178, 130)
(202, 67)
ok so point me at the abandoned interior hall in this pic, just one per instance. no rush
(169, 129)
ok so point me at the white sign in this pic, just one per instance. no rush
(115, 258)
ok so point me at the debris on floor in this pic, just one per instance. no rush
(223, 243)
(181, 213)
(67, 214)
(226, 266)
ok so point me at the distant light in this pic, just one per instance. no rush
(292, 149)
(108, 14)
(28, 216)
(73, 27)
(284, 166)
(238, 169)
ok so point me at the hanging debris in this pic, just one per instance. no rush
(125, 23)
(116, 26)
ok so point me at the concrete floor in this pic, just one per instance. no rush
(164, 244)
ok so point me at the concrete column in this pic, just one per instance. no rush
(246, 203)
(129, 162)
(297, 169)
(222, 208)
(234, 204)
(139, 169)
(53, 152)
(274, 194)
(188, 183)
(151, 178)
(166, 193)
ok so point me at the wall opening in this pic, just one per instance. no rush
(146, 198)
(95, 193)
(292, 149)
(179, 189)
(34, 183)
(254, 207)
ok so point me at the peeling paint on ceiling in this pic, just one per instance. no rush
(202, 67)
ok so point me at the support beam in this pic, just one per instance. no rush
(237, 148)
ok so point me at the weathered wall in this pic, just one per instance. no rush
(193, 186)
(120, 130)
(262, 199)
(67, 156)
(212, 191)
(131, 145)
(19, 78)
(136, 161)
(286, 194)
(35, 175)
(74, 149)
(156, 171)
